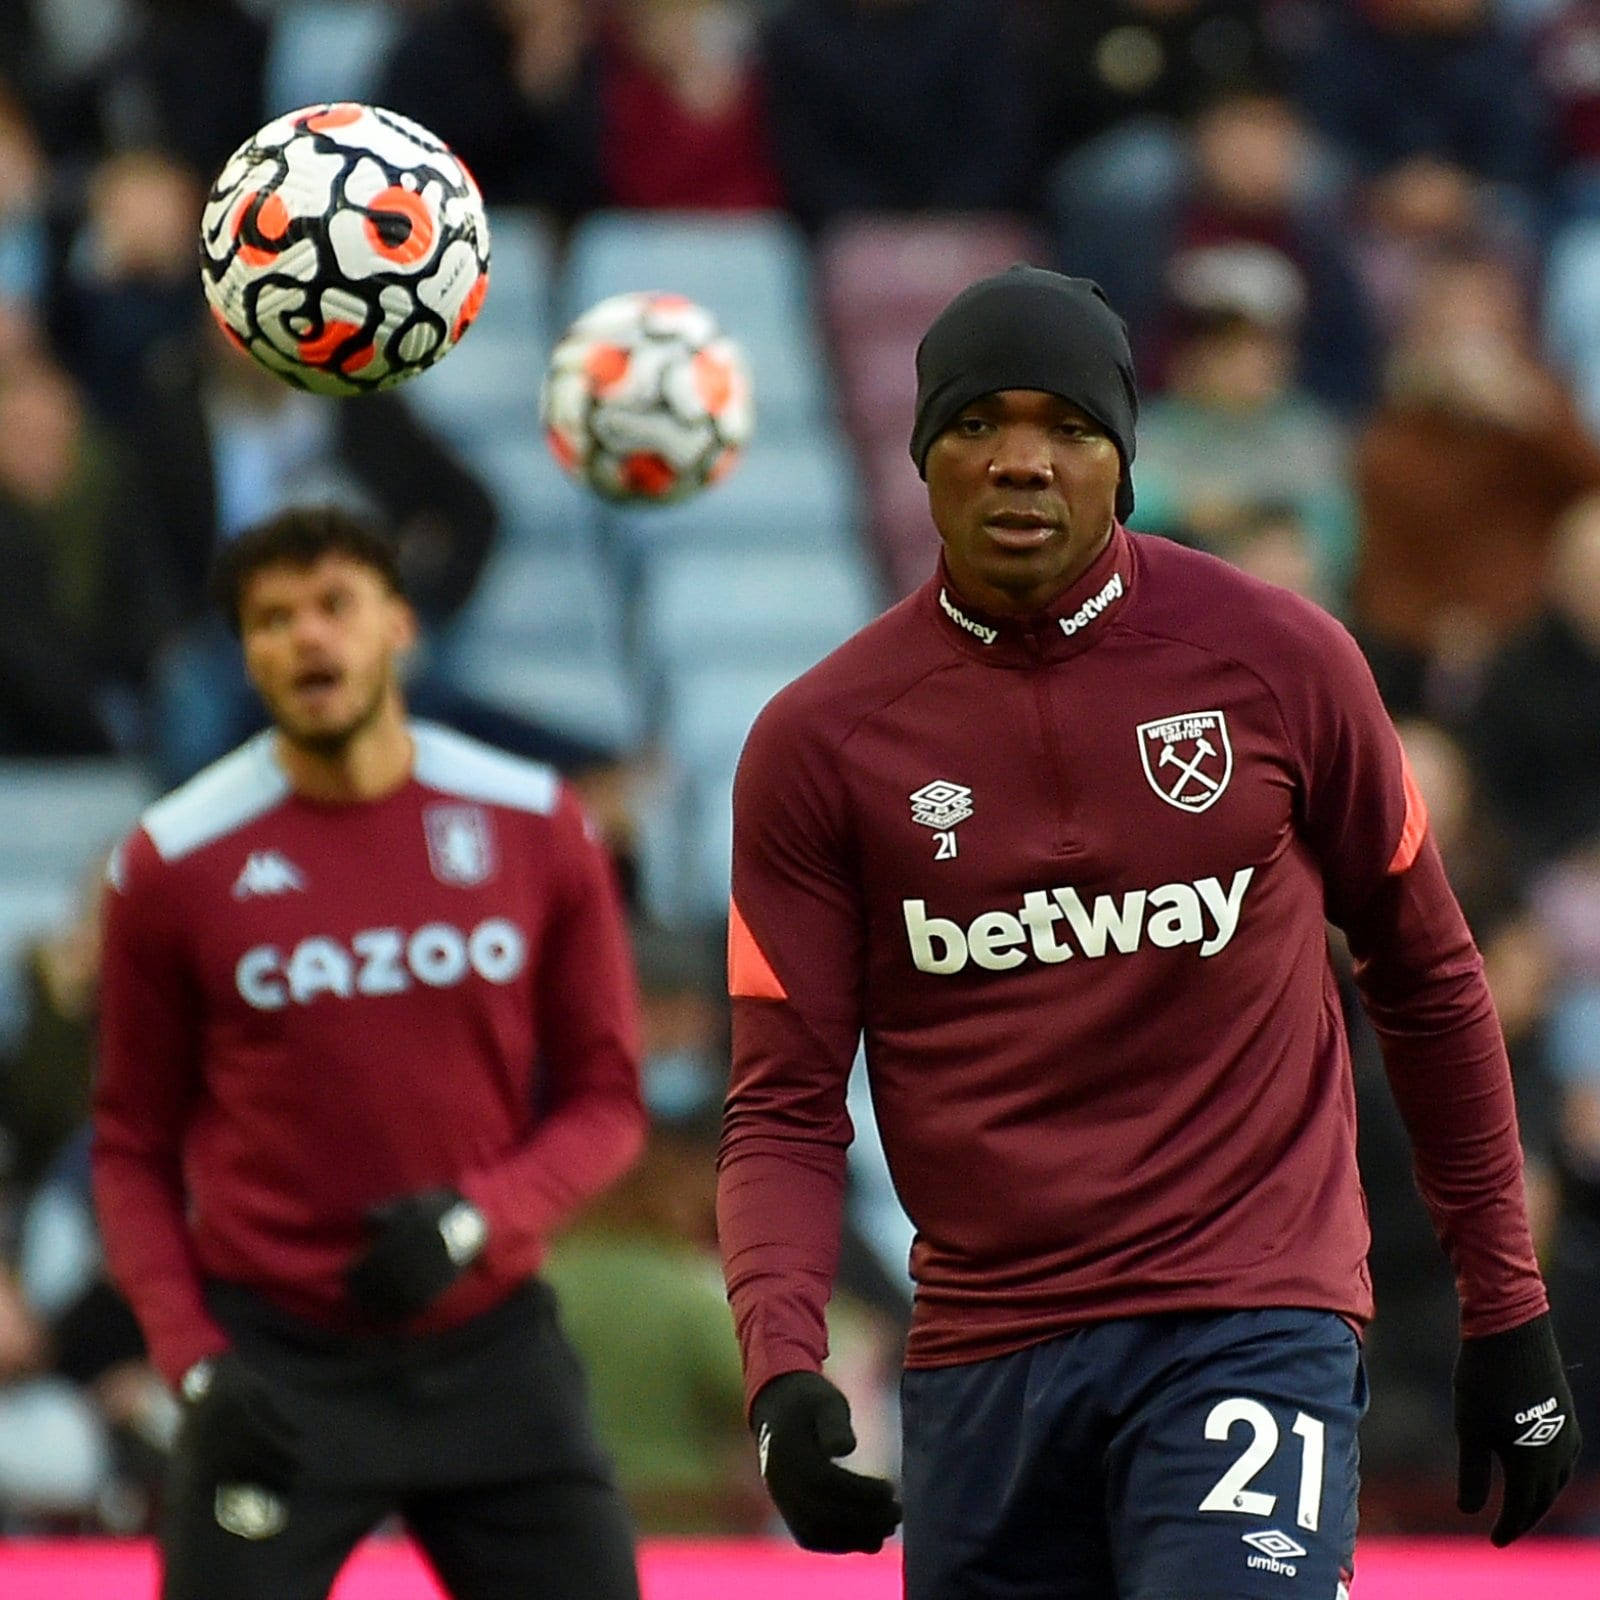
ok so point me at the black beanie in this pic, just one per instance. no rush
(1029, 329)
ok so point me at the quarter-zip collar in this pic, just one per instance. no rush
(1073, 621)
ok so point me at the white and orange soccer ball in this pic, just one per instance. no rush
(646, 399)
(345, 248)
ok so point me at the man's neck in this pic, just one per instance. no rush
(374, 763)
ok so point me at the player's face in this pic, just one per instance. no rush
(1023, 490)
(321, 645)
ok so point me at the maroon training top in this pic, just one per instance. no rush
(1069, 878)
(311, 1008)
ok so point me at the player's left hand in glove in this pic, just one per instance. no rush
(802, 1422)
(1512, 1401)
(421, 1244)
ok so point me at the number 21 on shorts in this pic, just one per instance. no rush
(1232, 1491)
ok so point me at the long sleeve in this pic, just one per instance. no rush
(1422, 984)
(1421, 981)
(796, 940)
(590, 1123)
(147, 1085)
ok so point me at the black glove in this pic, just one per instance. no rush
(801, 1423)
(1512, 1401)
(235, 1428)
(423, 1243)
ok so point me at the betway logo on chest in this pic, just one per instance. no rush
(1054, 925)
(379, 961)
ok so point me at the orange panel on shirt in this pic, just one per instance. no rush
(749, 972)
(1416, 823)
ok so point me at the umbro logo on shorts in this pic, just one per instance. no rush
(1275, 1552)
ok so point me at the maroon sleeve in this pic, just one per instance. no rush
(796, 942)
(1422, 984)
(147, 1081)
(591, 1120)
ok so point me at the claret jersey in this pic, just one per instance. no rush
(311, 1008)
(1068, 879)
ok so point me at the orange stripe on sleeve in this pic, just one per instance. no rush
(750, 974)
(1416, 823)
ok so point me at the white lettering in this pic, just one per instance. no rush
(382, 952)
(497, 950)
(1533, 1413)
(384, 961)
(992, 941)
(1224, 907)
(1039, 916)
(962, 620)
(1092, 929)
(256, 977)
(1093, 606)
(998, 940)
(922, 930)
(437, 954)
(319, 966)
(1178, 921)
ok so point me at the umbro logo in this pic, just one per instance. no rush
(1547, 1423)
(267, 872)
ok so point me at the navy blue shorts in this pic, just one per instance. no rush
(1204, 1457)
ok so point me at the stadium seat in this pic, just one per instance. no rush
(521, 277)
(539, 505)
(486, 388)
(327, 50)
(700, 607)
(707, 710)
(751, 270)
(592, 698)
(55, 816)
(797, 496)
(544, 602)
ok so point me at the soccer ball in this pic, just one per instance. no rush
(645, 399)
(345, 248)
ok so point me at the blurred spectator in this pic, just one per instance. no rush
(1251, 175)
(684, 107)
(88, 597)
(130, 285)
(1389, 79)
(84, 1419)
(150, 95)
(24, 177)
(1536, 727)
(1233, 432)
(1132, 70)
(897, 105)
(1270, 542)
(1566, 51)
(1461, 475)
(1424, 207)
(513, 86)
(638, 1277)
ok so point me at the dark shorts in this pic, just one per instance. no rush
(1206, 1457)
(477, 1440)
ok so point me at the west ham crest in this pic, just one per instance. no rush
(460, 844)
(1187, 758)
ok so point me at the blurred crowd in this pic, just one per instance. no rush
(1357, 243)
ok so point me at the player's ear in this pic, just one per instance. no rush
(404, 623)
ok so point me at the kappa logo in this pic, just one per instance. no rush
(1275, 1552)
(941, 804)
(1188, 758)
(460, 844)
(1547, 1423)
(266, 872)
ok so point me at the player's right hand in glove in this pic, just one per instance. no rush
(801, 1423)
(1512, 1401)
(235, 1427)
